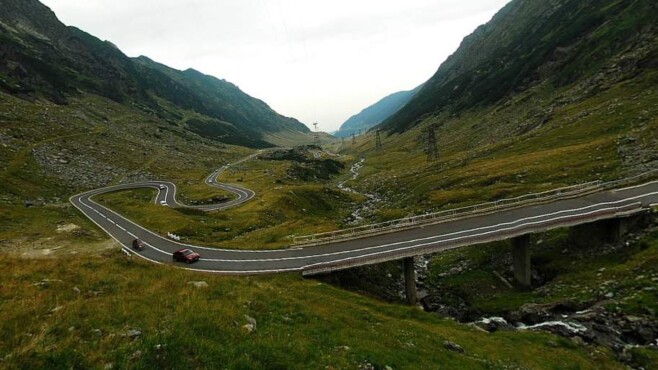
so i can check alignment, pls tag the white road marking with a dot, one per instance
(415, 246)
(596, 211)
(497, 228)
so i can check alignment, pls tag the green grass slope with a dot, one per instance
(49, 152)
(112, 309)
(524, 144)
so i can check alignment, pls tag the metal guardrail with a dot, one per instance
(631, 180)
(410, 251)
(449, 214)
(446, 215)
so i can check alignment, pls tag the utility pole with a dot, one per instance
(378, 140)
(432, 152)
(316, 135)
(353, 139)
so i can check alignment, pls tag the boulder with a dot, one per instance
(133, 334)
(452, 346)
(198, 284)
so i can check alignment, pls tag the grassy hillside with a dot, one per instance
(111, 309)
(547, 94)
(93, 142)
(489, 154)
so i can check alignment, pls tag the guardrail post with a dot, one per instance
(521, 260)
(410, 280)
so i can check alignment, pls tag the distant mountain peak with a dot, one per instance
(375, 113)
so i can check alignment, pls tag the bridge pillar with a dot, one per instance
(410, 280)
(521, 259)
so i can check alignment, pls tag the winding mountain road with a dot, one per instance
(341, 254)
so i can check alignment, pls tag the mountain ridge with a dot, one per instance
(528, 43)
(43, 58)
(375, 113)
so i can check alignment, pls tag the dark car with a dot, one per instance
(186, 255)
(138, 244)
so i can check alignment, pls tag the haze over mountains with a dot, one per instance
(376, 113)
(42, 58)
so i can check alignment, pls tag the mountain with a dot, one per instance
(375, 114)
(531, 43)
(42, 58)
(546, 94)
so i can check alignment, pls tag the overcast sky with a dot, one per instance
(313, 60)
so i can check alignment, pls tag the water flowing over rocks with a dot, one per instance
(364, 210)
(492, 324)
(596, 321)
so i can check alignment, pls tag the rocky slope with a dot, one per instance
(42, 58)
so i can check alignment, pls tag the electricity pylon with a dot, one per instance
(378, 140)
(316, 135)
(432, 151)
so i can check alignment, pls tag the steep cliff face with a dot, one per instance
(42, 58)
(559, 43)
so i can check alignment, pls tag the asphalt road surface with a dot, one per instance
(343, 254)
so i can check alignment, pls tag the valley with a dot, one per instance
(545, 96)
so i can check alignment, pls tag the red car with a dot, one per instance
(186, 255)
